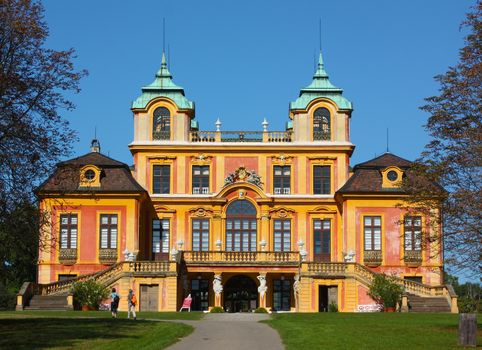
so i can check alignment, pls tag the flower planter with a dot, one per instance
(389, 309)
(87, 308)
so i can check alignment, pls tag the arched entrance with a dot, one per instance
(240, 294)
(241, 226)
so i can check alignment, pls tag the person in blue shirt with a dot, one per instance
(114, 302)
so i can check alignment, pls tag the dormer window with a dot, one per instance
(321, 124)
(161, 125)
(90, 176)
(391, 177)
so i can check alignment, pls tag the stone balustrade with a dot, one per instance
(234, 258)
(240, 136)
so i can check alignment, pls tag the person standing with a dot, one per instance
(131, 304)
(114, 304)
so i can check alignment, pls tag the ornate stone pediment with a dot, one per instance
(163, 209)
(201, 212)
(201, 158)
(243, 175)
(281, 212)
(281, 159)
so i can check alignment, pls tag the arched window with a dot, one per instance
(241, 226)
(161, 124)
(321, 124)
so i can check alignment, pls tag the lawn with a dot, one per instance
(368, 331)
(29, 332)
(105, 314)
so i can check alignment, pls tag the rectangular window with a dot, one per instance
(321, 179)
(322, 240)
(68, 231)
(160, 236)
(200, 179)
(282, 235)
(372, 226)
(108, 231)
(282, 179)
(413, 232)
(161, 179)
(200, 235)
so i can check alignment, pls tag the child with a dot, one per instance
(131, 304)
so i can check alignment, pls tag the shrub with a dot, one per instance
(217, 310)
(332, 307)
(260, 310)
(89, 293)
(384, 291)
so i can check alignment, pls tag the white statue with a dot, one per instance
(350, 256)
(296, 290)
(262, 285)
(217, 285)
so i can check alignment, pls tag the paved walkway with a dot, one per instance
(230, 331)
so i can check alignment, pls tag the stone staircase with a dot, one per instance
(418, 303)
(49, 302)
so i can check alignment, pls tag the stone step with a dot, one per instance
(428, 304)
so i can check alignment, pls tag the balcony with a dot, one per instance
(68, 256)
(224, 258)
(372, 258)
(413, 258)
(328, 269)
(108, 256)
(240, 136)
(285, 190)
(200, 190)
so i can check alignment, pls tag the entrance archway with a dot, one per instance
(240, 294)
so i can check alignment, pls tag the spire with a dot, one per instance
(321, 87)
(163, 86)
(163, 72)
(320, 70)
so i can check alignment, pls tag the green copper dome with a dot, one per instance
(163, 86)
(321, 87)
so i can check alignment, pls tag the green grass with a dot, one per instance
(24, 332)
(368, 331)
(105, 314)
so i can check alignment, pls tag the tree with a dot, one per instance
(33, 134)
(453, 157)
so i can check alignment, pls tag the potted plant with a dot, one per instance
(385, 292)
(88, 294)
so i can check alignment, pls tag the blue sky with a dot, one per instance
(242, 61)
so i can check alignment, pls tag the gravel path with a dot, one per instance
(230, 331)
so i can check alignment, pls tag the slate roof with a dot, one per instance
(367, 176)
(115, 177)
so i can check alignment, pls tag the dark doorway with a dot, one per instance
(240, 294)
(322, 299)
(199, 294)
(149, 297)
(281, 295)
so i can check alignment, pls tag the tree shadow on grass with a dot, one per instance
(41, 333)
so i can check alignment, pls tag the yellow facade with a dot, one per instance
(247, 219)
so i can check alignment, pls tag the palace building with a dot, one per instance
(237, 219)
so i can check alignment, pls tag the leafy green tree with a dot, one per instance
(33, 134)
(453, 157)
